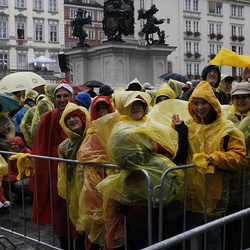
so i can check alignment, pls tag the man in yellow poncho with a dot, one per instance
(133, 145)
(220, 147)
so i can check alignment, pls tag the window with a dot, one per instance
(188, 5)
(196, 47)
(196, 69)
(100, 16)
(85, 1)
(188, 26)
(192, 5)
(237, 30)
(211, 28)
(20, 30)
(73, 13)
(90, 13)
(219, 29)
(38, 32)
(3, 60)
(101, 35)
(20, 3)
(215, 7)
(195, 5)
(237, 11)
(22, 61)
(188, 69)
(53, 33)
(3, 3)
(91, 34)
(38, 5)
(53, 5)
(215, 28)
(196, 26)
(3, 29)
(188, 46)
(192, 26)
(214, 48)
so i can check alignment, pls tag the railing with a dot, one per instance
(38, 232)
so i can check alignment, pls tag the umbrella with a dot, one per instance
(80, 88)
(20, 81)
(76, 87)
(9, 103)
(174, 76)
(93, 83)
(42, 59)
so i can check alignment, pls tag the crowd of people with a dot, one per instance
(136, 128)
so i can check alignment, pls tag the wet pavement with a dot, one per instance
(15, 221)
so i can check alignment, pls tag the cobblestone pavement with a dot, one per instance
(17, 220)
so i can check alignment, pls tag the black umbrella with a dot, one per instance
(174, 76)
(93, 84)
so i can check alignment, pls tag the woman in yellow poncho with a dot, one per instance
(216, 147)
(98, 215)
(133, 145)
(74, 122)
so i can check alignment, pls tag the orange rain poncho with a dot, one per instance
(132, 145)
(68, 150)
(98, 212)
(209, 139)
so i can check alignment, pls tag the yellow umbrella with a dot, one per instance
(230, 58)
(20, 81)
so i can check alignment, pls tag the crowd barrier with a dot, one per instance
(17, 218)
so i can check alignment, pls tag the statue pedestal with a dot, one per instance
(116, 63)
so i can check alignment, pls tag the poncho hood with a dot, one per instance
(69, 108)
(124, 100)
(204, 91)
(93, 112)
(164, 90)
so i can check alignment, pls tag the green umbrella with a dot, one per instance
(8, 103)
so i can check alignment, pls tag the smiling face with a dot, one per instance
(137, 110)
(212, 77)
(15, 147)
(242, 103)
(202, 108)
(62, 97)
(74, 123)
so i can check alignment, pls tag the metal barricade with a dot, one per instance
(23, 226)
(44, 234)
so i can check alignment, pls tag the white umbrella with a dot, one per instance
(20, 81)
(42, 59)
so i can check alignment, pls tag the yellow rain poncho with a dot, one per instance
(230, 58)
(44, 105)
(164, 90)
(133, 146)
(68, 150)
(242, 122)
(176, 86)
(98, 214)
(210, 140)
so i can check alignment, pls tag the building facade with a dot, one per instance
(28, 29)
(199, 29)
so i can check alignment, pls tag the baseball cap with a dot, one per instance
(241, 88)
(147, 85)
